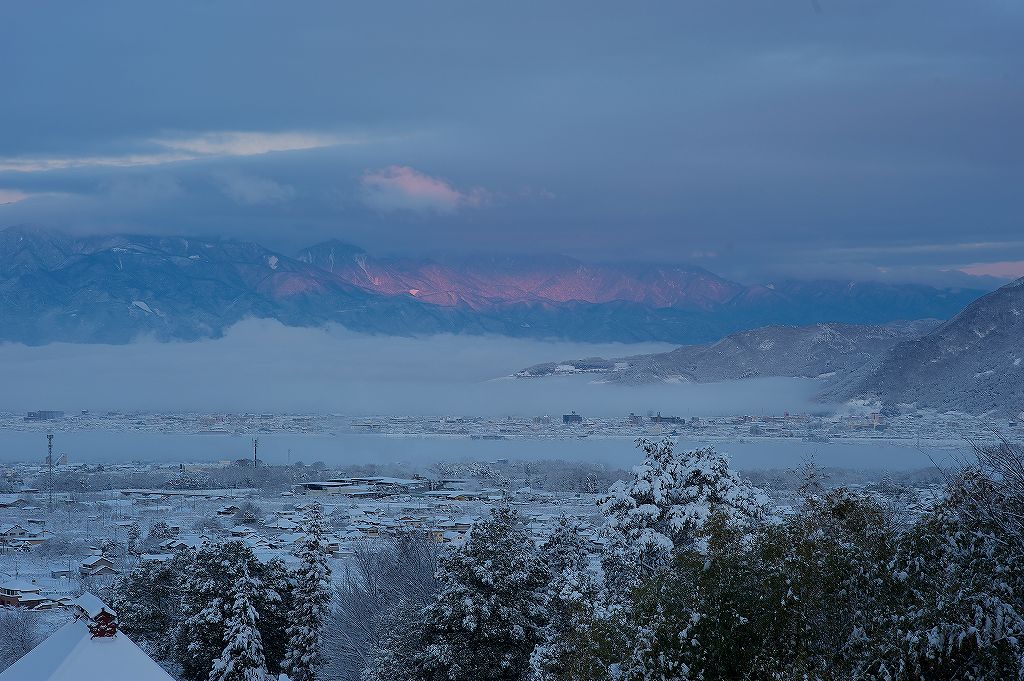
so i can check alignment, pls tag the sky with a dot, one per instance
(874, 139)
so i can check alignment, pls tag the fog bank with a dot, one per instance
(261, 365)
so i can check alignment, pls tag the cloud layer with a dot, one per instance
(876, 139)
(334, 370)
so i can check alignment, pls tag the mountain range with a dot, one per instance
(973, 362)
(113, 289)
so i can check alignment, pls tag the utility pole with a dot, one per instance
(255, 445)
(49, 465)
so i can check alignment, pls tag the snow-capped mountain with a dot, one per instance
(482, 282)
(829, 350)
(115, 288)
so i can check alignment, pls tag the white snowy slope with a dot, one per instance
(71, 654)
(799, 351)
(972, 363)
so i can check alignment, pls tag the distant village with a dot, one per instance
(854, 421)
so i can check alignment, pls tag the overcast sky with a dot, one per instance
(757, 139)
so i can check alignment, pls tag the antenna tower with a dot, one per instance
(49, 467)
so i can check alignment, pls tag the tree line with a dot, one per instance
(699, 576)
(693, 574)
(217, 613)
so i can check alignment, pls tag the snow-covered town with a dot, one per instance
(543, 341)
(101, 537)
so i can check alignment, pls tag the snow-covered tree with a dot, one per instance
(666, 504)
(158, 532)
(570, 646)
(147, 602)
(393, 654)
(489, 614)
(206, 595)
(275, 604)
(134, 540)
(242, 658)
(21, 633)
(312, 600)
(200, 632)
(955, 609)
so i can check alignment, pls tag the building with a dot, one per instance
(13, 531)
(97, 566)
(44, 415)
(89, 647)
(374, 487)
(572, 418)
(20, 593)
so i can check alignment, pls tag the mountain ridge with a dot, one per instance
(973, 362)
(809, 351)
(113, 288)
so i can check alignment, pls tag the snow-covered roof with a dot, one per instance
(91, 605)
(22, 586)
(71, 654)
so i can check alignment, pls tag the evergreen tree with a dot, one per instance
(134, 540)
(488, 616)
(199, 638)
(242, 658)
(393, 655)
(666, 505)
(312, 599)
(955, 610)
(275, 605)
(206, 592)
(689, 622)
(570, 647)
(147, 601)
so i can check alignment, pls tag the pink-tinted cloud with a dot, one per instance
(11, 195)
(1007, 269)
(405, 188)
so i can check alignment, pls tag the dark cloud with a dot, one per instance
(756, 139)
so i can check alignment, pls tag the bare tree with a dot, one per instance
(387, 575)
(1000, 500)
(20, 634)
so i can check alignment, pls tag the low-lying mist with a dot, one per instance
(261, 365)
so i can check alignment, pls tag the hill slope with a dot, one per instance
(798, 351)
(974, 362)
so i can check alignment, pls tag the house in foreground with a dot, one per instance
(89, 647)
